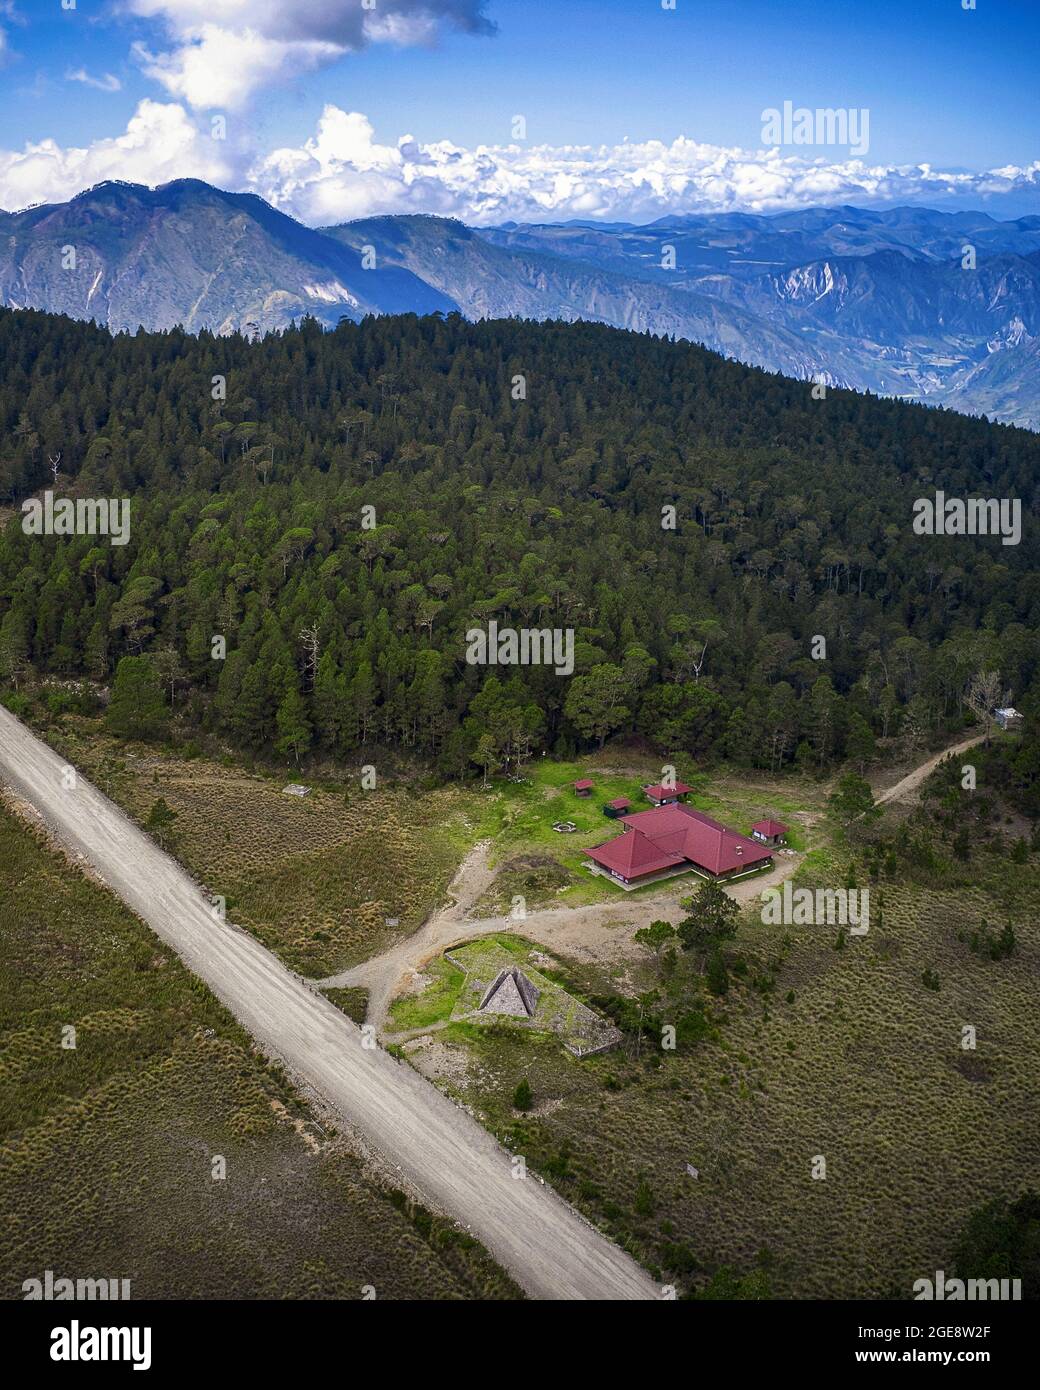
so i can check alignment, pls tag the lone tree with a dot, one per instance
(523, 1098)
(717, 974)
(712, 918)
(655, 938)
(852, 800)
(161, 820)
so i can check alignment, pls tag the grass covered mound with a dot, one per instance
(556, 1011)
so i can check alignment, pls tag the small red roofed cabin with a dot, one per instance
(662, 795)
(769, 832)
(584, 787)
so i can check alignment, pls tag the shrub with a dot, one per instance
(718, 975)
(644, 1203)
(522, 1096)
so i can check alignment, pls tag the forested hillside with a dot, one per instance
(793, 521)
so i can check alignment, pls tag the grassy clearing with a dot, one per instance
(546, 867)
(434, 1004)
(329, 880)
(106, 1148)
(557, 1012)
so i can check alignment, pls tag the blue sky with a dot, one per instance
(955, 89)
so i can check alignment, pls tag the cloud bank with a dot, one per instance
(341, 172)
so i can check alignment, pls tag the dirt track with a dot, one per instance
(913, 780)
(597, 931)
(533, 1234)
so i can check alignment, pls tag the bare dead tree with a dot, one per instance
(982, 697)
(55, 464)
(311, 653)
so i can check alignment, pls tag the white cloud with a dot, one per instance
(8, 10)
(224, 67)
(342, 172)
(106, 83)
(225, 51)
(160, 143)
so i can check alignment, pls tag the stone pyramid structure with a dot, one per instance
(511, 992)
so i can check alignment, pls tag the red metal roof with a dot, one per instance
(585, 782)
(677, 833)
(618, 802)
(632, 855)
(770, 827)
(659, 792)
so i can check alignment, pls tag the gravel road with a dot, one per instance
(547, 1247)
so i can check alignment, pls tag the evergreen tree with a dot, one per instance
(294, 730)
(595, 704)
(136, 709)
(523, 1098)
(711, 917)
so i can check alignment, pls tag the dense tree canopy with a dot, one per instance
(319, 518)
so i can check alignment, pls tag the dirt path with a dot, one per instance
(599, 932)
(913, 780)
(438, 1148)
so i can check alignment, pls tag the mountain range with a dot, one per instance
(910, 302)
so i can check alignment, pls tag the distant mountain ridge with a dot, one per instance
(191, 254)
(883, 301)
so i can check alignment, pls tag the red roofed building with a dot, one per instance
(673, 838)
(661, 795)
(633, 856)
(584, 787)
(769, 831)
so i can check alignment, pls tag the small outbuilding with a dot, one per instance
(1008, 718)
(584, 787)
(620, 806)
(769, 832)
(662, 795)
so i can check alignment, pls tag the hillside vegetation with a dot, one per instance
(107, 1147)
(364, 497)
